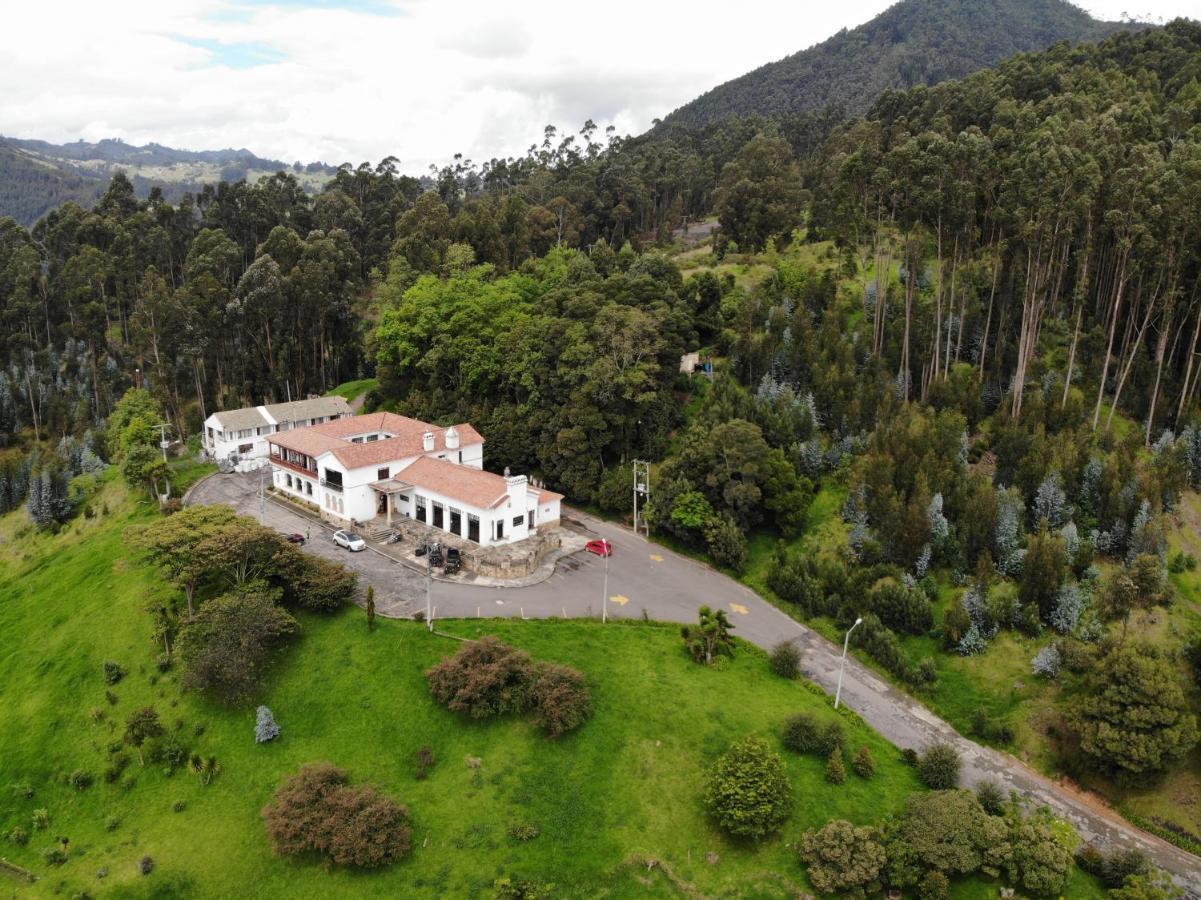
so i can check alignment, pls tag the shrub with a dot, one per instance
(485, 678)
(909, 757)
(863, 763)
(560, 699)
(1090, 859)
(786, 660)
(41, 820)
(425, 762)
(1047, 662)
(146, 865)
(1123, 864)
(265, 727)
(314, 583)
(939, 766)
(934, 886)
(18, 835)
(179, 806)
(944, 830)
(506, 888)
(112, 823)
(836, 770)
(842, 859)
(747, 791)
(804, 734)
(80, 780)
(111, 698)
(523, 831)
(991, 797)
(163, 663)
(54, 856)
(112, 672)
(316, 811)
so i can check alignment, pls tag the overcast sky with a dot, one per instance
(356, 80)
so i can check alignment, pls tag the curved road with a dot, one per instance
(646, 579)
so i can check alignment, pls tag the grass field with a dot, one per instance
(351, 390)
(624, 788)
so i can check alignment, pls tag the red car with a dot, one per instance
(599, 547)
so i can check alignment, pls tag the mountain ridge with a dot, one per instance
(913, 42)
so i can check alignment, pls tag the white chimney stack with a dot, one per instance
(427, 441)
(452, 438)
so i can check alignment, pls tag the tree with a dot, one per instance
(141, 726)
(265, 727)
(759, 194)
(178, 544)
(227, 646)
(317, 811)
(1039, 859)
(370, 607)
(710, 637)
(1045, 567)
(205, 768)
(747, 790)
(938, 767)
(863, 763)
(836, 770)
(1133, 719)
(785, 660)
(843, 859)
(947, 831)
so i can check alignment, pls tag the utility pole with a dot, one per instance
(642, 486)
(163, 443)
(429, 580)
(262, 496)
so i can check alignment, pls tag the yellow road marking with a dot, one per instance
(619, 599)
(656, 557)
(739, 608)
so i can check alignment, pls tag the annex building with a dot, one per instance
(244, 432)
(380, 466)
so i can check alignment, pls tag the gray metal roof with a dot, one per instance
(239, 419)
(308, 409)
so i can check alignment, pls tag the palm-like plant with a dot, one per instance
(205, 768)
(710, 637)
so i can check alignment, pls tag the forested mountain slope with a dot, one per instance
(37, 176)
(915, 42)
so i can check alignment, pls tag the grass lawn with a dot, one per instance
(351, 390)
(623, 788)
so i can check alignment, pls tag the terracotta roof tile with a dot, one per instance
(474, 487)
(407, 440)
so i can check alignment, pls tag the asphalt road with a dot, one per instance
(644, 578)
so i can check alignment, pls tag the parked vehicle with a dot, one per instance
(350, 541)
(292, 537)
(396, 538)
(452, 565)
(452, 554)
(599, 547)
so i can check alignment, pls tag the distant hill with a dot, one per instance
(913, 43)
(36, 176)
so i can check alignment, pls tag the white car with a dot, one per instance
(350, 541)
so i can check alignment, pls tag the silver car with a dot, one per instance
(350, 541)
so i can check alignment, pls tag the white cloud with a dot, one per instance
(434, 79)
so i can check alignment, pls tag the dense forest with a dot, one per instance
(912, 43)
(968, 351)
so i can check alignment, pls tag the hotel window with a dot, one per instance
(382, 474)
(289, 482)
(420, 508)
(518, 521)
(308, 488)
(372, 437)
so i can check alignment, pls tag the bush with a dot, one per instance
(316, 811)
(265, 727)
(863, 763)
(934, 886)
(425, 762)
(523, 831)
(909, 757)
(41, 820)
(842, 859)
(1123, 864)
(1090, 859)
(786, 660)
(146, 865)
(804, 734)
(112, 823)
(80, 780)
(485, 678)
(112, 672)
(991, 797)
(836, 770)
(54, 856)
(18, 835)
(938, 767)
(313, 583)
(560, 699)
(747, 791)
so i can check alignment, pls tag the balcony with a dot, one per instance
(331, 486)
(295, 467)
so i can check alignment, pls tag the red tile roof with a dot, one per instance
(407, 439)
(474, 487)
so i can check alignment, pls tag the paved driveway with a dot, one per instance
(646, 578)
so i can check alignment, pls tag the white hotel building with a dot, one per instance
(383, 465)
(243, 432)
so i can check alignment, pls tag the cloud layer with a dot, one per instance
(355, 80)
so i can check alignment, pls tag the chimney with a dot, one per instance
(516, 486)
(427, 441)
(452, 438)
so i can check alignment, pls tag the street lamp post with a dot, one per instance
(846, 643)
(605, 594)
